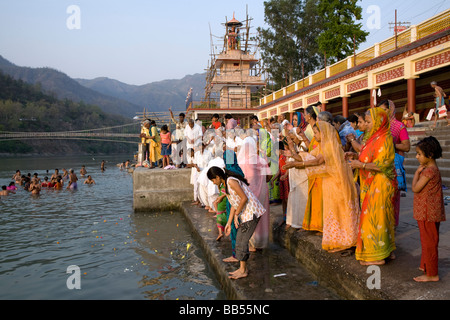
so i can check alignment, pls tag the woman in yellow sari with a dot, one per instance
(313, 220)
(340, 205)
(155, 145)
(376, 167)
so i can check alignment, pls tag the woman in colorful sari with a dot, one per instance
(299, 124)
(376, 240)
(401, 145)
(313, 220)
(311, 116)
(155, 145)
(341, 208)
(256, 170)
(267, 152)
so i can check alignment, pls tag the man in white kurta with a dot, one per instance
(193, 135)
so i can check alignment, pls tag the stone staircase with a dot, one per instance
(442, 133)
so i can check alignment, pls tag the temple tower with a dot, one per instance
(234, 73)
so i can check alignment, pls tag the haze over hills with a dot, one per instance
(156, 96)
(110, 95)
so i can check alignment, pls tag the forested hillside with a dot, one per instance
(24, 107)
(61, 86)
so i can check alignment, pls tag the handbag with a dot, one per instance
(442, 111)
(430, 114)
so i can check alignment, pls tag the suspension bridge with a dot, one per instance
(126, 133)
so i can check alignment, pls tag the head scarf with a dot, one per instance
(391, 110)
(333, 154)
(301, 122)
(316, 110)
(231, 124)
(395, 126)
(379, 146)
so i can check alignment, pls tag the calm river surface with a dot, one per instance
(120, 254)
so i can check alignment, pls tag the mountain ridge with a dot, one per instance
(156, 96)
(112, 96)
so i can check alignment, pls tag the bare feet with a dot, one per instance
(370, 263)
(425, 278)
(230, 259)
(195, 203)
(238, 274)
(219, 237)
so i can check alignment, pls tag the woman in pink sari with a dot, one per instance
(256, 170)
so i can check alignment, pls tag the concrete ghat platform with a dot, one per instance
(306, 272)
(159, 189)
(274, 273)
(295, 267)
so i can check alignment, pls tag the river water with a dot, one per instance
(119, 254)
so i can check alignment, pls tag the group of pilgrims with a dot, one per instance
(340, 178)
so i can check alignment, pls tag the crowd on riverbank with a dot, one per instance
(339, 177)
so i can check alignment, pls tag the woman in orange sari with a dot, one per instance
(313, 220)
(341, 208)
(376, 167)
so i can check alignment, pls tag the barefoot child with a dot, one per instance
(245, 213)
(166, 145)
(429, 208)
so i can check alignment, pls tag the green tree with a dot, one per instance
(341, 32)
(288, 47)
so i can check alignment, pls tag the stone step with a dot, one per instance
(445, 184)
(445, 171)
(413, 162)
(412, 154)
(443, 137)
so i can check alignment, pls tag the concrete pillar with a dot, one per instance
(413, 33)
(372, 102)
(345, 106)
(141, 154)
(376, 49)
(411, 88)
(324, 106)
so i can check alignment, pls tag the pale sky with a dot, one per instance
(142, 41)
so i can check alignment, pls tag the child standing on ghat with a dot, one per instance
(166, 145)
(429, 208)
(245, 213)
